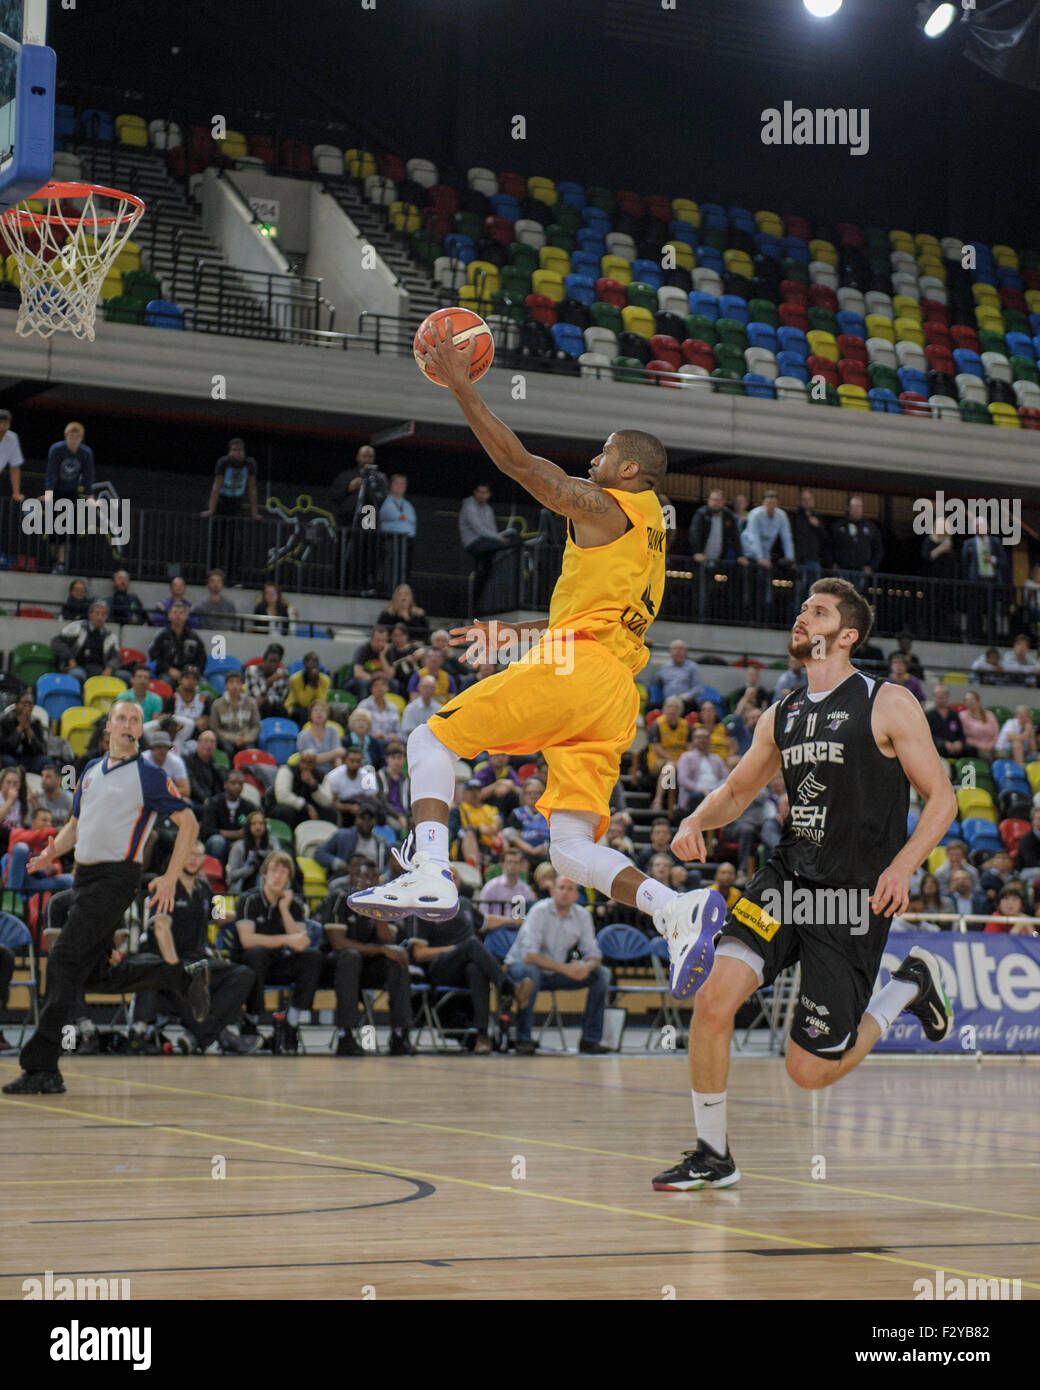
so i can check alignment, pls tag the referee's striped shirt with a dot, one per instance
(116, 805)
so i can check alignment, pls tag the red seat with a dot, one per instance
(823, 297)
(513, 184)
(823, 366)
(213, 870)
(541, 309)
(255, 661)
(528, 770)
(611, 292)
(296, 155)
(1031, 279)
(631, 203)
(793, 316)
(791, 292)
(853, 373)
(934, 312)
(177, 162)
(853, 349)
(499, 229)
(440, 223)
(131, 657)
(666, 349)
(657, 205)
(796, 226)
(745, 661)
(262, 147)
(910, 401)
(657, 369)
(698, 354)
(964, 337)
(849, 234)
(255, 783)
(940, 359)
(1014, 299)
(651, 718)
(937, 336)
(1030, 417)
(247, 757)
(31, 612)
(161, 689)
(1011, 831)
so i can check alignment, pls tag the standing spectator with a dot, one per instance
(767, 527)
(176, 646)
(320, 738)
(70, 471)
(1017, 737)
(205, 778)
(905, 649)
(945, 724)
(715, 547)
(11, 455)
(272, 613)
(899, 675)
(224, 817)
(151, 703)
(88, 647)
(811, 544)
(300, 792)
(76, 604)
(386, 721)
(856, 545)
(401, 611)
(1020, 664)
(794, 678)
(681, 676)
(357, 497)
(235, 716)
(216, 608)
(306, 685)
(422, 707)
(980, 726)
(394, 789)
(433, 666)
(939, 555)
(268, 682)
(53, 796)
(740, 510)
(234, 484)
(540, 954)
(124, 606)
(371, 657)
(481, 538)
(22, 739)
(398, 522)
(985, 565)
(178, 594)
(699, 771)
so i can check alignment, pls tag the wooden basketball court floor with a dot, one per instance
(505, 1177)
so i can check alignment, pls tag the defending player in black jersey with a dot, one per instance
(848, 748)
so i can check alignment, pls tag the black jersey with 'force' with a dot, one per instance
(848, 800)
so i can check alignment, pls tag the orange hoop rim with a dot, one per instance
(59, 190)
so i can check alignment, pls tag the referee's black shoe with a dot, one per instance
(932, 1006)
(36, 1083)
(699, 1167)
(198, 989)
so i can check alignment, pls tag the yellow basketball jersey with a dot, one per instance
(612, 592)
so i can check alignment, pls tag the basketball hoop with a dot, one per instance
(64, 251)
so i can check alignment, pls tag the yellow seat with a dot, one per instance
(549, 283)
(1006, 416)
(985, 294)
(404, 217)
(853, 397)
(682, 256)
(485, 275)
(470, 297)
(1005, 256)
(544, 190)
(909, 331)
(820, 250)
(616, 268)
(636, 320)
(988, 317)
(905, 307)
(954, 678)
(823, 344)
(12, 274)
(556, 259)
(901, 241)
(880, 327)
(937, 858)
(312, 871)
(360, 164)
(112, 285)
(974, 801)
(77, 725)
(1033, 776)
(234, 145)
(1033, 301)
(132, 130)
(738, 263)
(398, 701)
(924, 242)
(129, 258)
(686, 210)
(769, 222)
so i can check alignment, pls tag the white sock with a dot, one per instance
(889, 1003)
(652, 896)
(432, 838)
(709, 1115)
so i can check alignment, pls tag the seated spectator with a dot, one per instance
(794, 678)
(543, 876)
(246, 857)
(962, 892)
(268, 683)
(23, 737)
(394, 790)
(177, 594)
(336, 853)
(776, 815)
(898, 674)
(301, 792)
(235, 716)
(988, 668)
(501, 785)
(76, 604)
(457, 670)
(151, 703)
(88, 647)
(182, 936)
(24, 844)
(401, 611)
(1028, 856)
(480, 826)
(190, 710)
(753, 697)
(176, 646)
(273, 940)
(991, 881)
(719, 740)
(363, 954)
(1017, 737)
(359, 736)
(747, 831)
(504, 900)
(526, 828)
(660, 867)
(272, 613)
(320, 738)
(305, 686)
(370, 659)
(16, 804)
(348, 785)
(699, 771)
(420, 709)
(945, 724)
(386, 721)
(905, 650)
(1020, 664)
(160, 751)
(53, 796)
(669, 739)
(980, 726)
(661, 834)
(742, 728)
(205, 778)
(216, 609)
(552, 929)
(932, 899)
(1010, 904)
(956, 860)
(617, 836)
(726, 883)
(433, 665)
(124, 606)
(223, 818)
(405, 658)
(679, 677)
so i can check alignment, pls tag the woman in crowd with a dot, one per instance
(402, 609)
(527, 829)
(248, 854)
(980, 726)
(16, 805)
(323, 738)
(76, 604)
(359, 735)
(272, 611)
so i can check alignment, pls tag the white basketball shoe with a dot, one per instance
(426, 889)
(689, 924)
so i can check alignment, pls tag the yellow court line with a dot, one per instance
(813, 1184)
(520, 1191)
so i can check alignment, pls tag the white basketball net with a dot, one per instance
(64, 255)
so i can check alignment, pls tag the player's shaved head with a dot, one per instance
(647, 451)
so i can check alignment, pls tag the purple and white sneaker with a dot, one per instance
(689, 924)
(426, 889)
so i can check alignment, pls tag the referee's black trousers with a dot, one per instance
(469, 965)
(79, 960)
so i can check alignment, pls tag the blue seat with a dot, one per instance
(881, 398)
(732, 306)
(912, 818)
(648, 273)
(1007, 773)
(95, 124)
(385, 833)
(686, 232)
(795, 249)
(740, 215)
(981, 834)
(1021, 345)
(216, 665)
(163, 313)
(505, 205)
(596, 217)
(762, 335)
(588, 239)
(704, 304)
(910, 379)
(954, 833)
(1034, 327)
(278, 737)
(711, 259)
(581, 288)
(64, 122)
(587, 263)
(714, 215)
(755, 384)
(986, 275)
(568, 338)
(499, 940)
(571, 193)
(1008, 278)
(791, 364)
(460, 247)
(793, 340)
(708, 692)
(57, 693)
(766, 244)
(968, 361)
(854, 325)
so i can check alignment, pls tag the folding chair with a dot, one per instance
(668, 1015)
(621, 943)
(17, 937)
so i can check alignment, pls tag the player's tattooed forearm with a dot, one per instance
(556, 489)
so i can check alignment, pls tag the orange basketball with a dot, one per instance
(465, 325)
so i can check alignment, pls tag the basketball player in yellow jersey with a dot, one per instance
(581, 712)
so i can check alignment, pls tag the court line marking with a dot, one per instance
(523, 1192)
(814, 1185)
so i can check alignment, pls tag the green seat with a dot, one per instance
(830, 396)
(731, 333)
(515, 281)
(730, 358)
(823, 321)
(992, 342)
(509, 307)
(141, 285)
(797, 271)
(630, 369)
(642, 296)
(341, 697)
(701, 328)
(780, 665)
(980, 770)
(1028, 260)
(884, 378)
(764, 311)
(601, 198)
(122, 309)
(974, 413)
(567, 216)
(876, 239)
(523, 257)
(345, 673)
(1016, 322)
(1001, 712)
(31, 660)
(426, 246)
(880, 263)
(727, 382)
(714, 236)
(221, 759)
(606, 316)
(561, 237)
(1022, 369)
(469, 224)
(278, 830)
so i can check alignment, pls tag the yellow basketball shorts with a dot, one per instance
(581, 721)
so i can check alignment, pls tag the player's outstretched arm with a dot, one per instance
(756, 768)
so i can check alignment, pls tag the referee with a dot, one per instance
(115, 806)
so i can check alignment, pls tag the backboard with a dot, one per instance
(27, 86)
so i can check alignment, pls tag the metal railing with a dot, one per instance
(959, 920)
(254, 303)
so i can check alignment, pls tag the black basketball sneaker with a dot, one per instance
(932, 1005)
(699, 1167)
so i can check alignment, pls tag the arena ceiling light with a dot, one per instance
(822, 9)
(939, 20)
